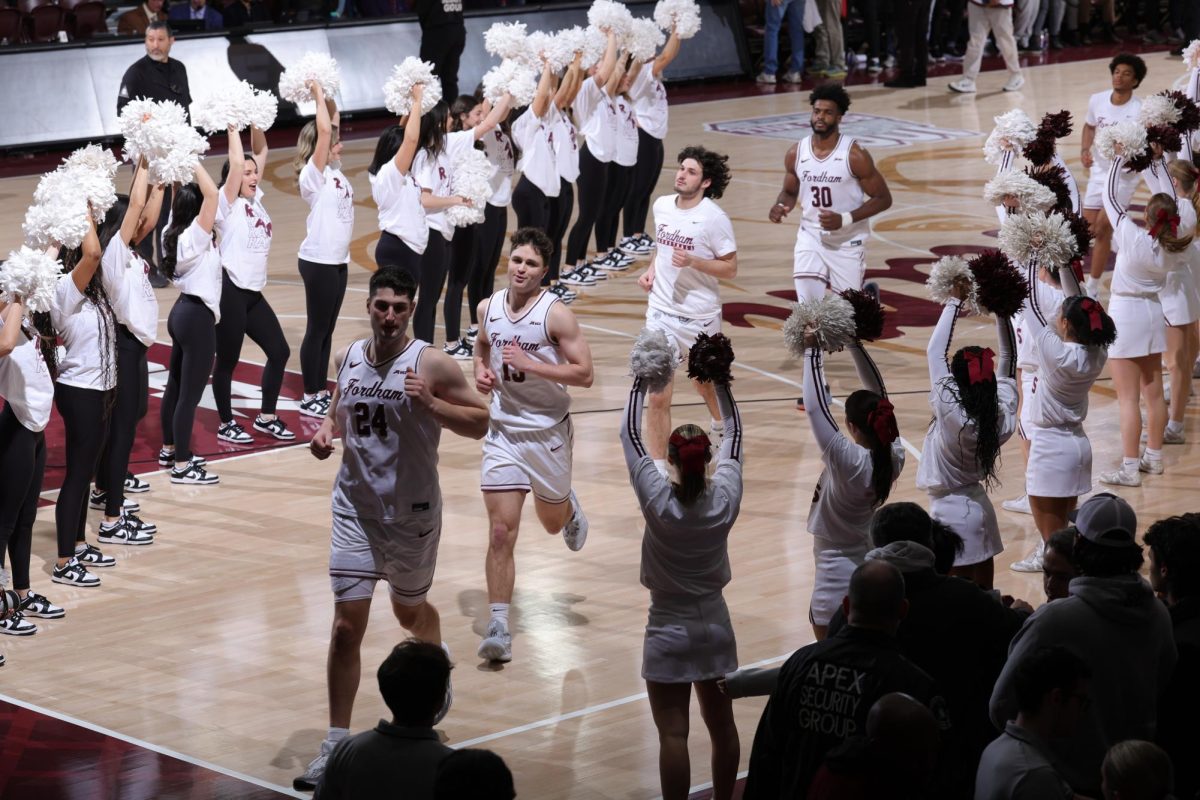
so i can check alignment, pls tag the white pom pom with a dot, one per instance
(1130, 134)
(62, 218)
(397, 91)
(505, 39)
(93, 157)
(830, 318)
(1158, 110)
(682, 15)
(264, 106)
(1029, 193)
(645, 37)
(1191, 54)
(594, 45)
(653, 360)
(30, 275)
(91, 170)
(538, 45)
(470, 177)
(1014, 129)
(611, 16)
(145, 124)
(944, 273)
(564, 45)
(312, 66)
(512, 77)
(1048, 237)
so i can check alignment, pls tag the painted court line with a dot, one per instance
(196, 762)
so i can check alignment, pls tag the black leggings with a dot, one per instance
(193, 345)
(532, 205)
(129, 406)
(324, 288)
(560, 217)
(246, 313)
(593, 180)
(645, 177)
(462, 261)
(391, 251)
(616, 190)
(22, 463)
(429, 285)
(489, 243)
(85, 418)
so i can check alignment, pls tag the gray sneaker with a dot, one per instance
(1119, 477)
(765, 77)
(1031, 562)
(497, 645)
(574, 533)
(315, 769)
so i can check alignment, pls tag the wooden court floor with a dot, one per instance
(212, 642)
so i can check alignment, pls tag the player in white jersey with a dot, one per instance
(696, 250)
(529, 350)
(1104, 109)
(394, 394)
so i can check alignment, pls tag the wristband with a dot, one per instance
(847, 219)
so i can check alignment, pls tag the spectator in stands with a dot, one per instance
(1175, 575)
(895, 760)
(443, 37)
(1114, 623)
(197, 10)
(1058, 564)
(1051, 688)
(828, 41)
(244, 12)
(477, 774)
(996, 17)
(826, 689)
(405, 752)
(912, 44)
(135, 22)
(1136, 770)
(156, 76)
(774, 14)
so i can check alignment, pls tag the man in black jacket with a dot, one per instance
(156, 76)
(443, 37)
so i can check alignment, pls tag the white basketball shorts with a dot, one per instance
(840, 268)
(403, 552)
(681, 332)
(537, 461)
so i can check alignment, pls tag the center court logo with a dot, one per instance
(870, 130)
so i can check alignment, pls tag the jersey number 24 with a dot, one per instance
(366, 420)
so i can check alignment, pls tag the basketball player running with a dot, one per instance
(394, 395)
(529, 350)
(696, 250)
(839, 189)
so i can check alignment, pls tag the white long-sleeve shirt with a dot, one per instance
(1142, 263)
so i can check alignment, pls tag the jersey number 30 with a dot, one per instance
(366, 420)
(822, 197)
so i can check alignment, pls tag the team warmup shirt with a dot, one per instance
(244, 233)
(1101, 114)
(597, 115)
(330, 223)
(433, 174)
(523, 402)
(25, 382)
(535, 137)
(127, 283)
(566, 146)
(627, 132)
(198, 268)
(399, 200)
(650, 102)
(389, 444)
(88, 336)
(499, 151)
(828, 184)
(704, 231)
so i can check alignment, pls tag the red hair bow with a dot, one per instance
(979, 365)
(883, 421)
(693, 452)
(1161, 219)
(1093, 309)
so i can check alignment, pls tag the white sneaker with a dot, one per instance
(1174, 437)
(1015, 83)
(234, 433)
(1119, 477)
(193, 474)
(963, 86)
(793, 77)
(317, 407)
(1018, 505)
(1031, 562)
(314, 771)
(1149, 467)
(574, 533)
(497, 645)
(765, 77)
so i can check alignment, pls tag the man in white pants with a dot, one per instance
(995, 16)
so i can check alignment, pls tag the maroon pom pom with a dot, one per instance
(1056, 125)
(1080, 230)
(1166, 136)
(1000, 286)
(1141, 161)
(1189, 113)
(868, 314)
(1040, 151)
(1054, 179)
(710, 358)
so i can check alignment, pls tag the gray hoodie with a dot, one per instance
(1123, 633)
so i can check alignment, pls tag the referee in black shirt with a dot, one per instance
(156, 76)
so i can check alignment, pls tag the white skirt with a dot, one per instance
(969, 513)
(688, 639)
(1180, 296)
(1141, 328)
(1060, 463)
(833, 567)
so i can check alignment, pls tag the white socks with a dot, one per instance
(500, 614)
(332, 738)
(1129, 465)
(1153, 455)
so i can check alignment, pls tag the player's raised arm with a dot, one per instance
(790, 193)
(440, 387)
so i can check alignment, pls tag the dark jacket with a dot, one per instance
(155, 80)
(237, 14)
(1179, 710)
(389, 761)
(436, 13)
(213, 20)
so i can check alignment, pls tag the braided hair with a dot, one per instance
(978, 399)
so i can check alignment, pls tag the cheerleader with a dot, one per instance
(860, 469)
(1071, 351)
(620, 170)
(437, 152)
(28, 389)
(193, 262)
(125, 277)
(404, 234)
(974, 413)
(650, 109)
(325, 252)
(1144, 258)
(685, 564)
(1181, 304)
(244, 231)
(566, 163)
(533, 133)
(87, 372)
(597, 118)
